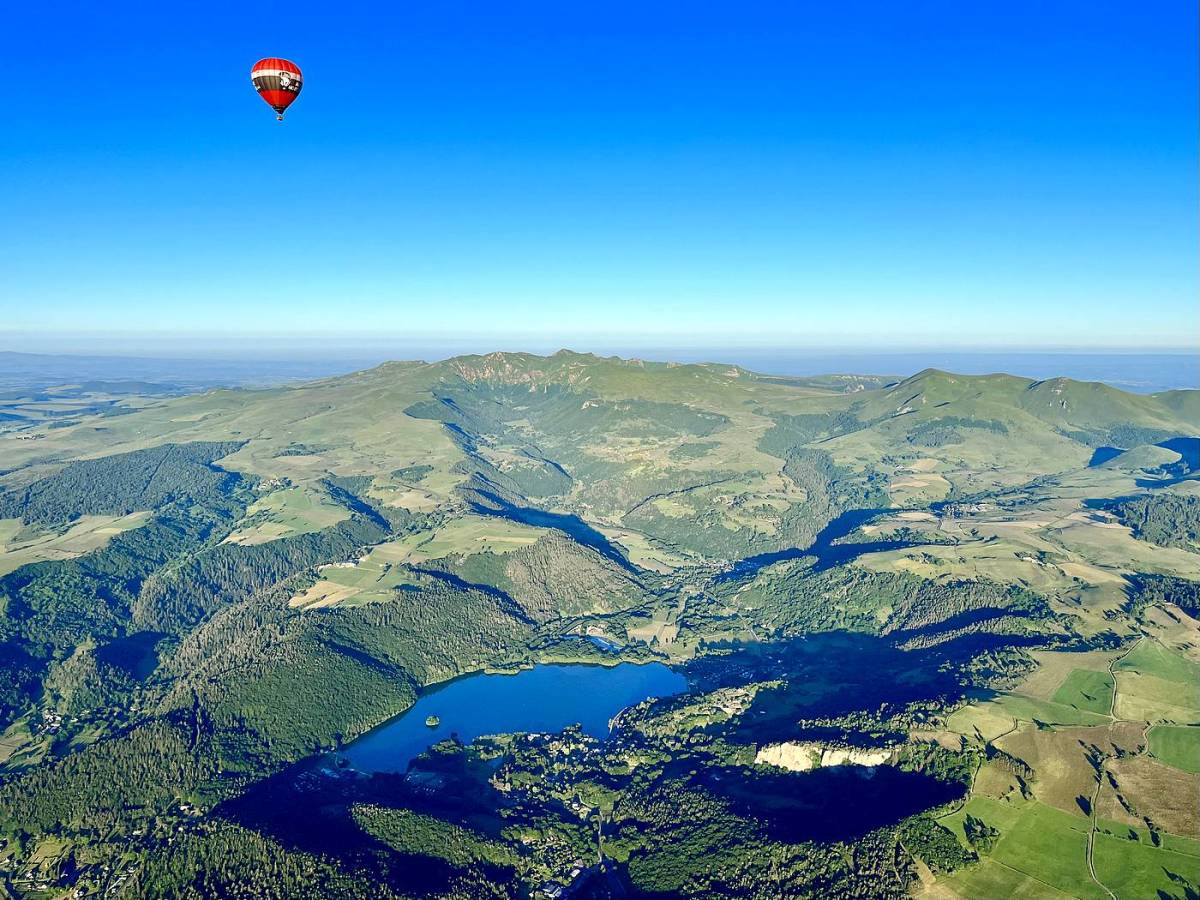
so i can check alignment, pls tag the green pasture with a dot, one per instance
(1133, 868)
(1176, 745)
(1086, 690)
(1157, 685)
(1042, 849)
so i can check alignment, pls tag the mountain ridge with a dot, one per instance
(203, 598)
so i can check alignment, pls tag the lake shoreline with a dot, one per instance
(562, 694)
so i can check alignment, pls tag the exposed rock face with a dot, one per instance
(800, 756)
(524, 368)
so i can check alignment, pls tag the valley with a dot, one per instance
(935, 635)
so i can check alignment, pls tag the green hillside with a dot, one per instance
(202, 592)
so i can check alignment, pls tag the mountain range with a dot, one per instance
(983, 586)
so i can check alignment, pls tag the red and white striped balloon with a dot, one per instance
(278, 81)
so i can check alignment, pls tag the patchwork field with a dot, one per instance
(287, 512)
(1065, 759)
(1133, 867)
(1143, 789)
(20, 545)
(1157, 685)
(1055, 668)
(375, 576)
(1136, 783)
(704, 520)
(1036, 546)
(1041, 852)
(1002, 713)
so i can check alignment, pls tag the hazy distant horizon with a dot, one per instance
(440, 344)
(1132, 369)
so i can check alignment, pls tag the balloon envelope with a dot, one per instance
(278, 81)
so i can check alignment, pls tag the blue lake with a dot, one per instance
(545, 698)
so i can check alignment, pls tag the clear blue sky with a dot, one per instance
(866, 174)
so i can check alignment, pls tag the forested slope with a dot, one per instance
(881, 568)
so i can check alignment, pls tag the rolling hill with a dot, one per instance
(203, 592)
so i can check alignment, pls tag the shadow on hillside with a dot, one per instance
(838, 803)
(820, 676)
(580, 531)
(836, 674)
(309, 808)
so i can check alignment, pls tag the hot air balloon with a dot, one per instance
(278, 81)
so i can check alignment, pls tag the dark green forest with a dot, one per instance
(175, 718)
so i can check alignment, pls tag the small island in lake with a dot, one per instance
(433, 721)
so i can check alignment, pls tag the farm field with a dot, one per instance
(375, 576)
(1132, 867)
(643, 551)
(19, 546)
(1041, 852)
(1055, 667)
(1063, 759)
(1087, 690)
(1142, 787)
(1115, 777)
(1177, 746)
(932, 565)
(287, 512)
(1001, 713)
(1158, 685)
(1175, 629)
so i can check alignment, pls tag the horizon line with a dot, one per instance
(309, 345)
